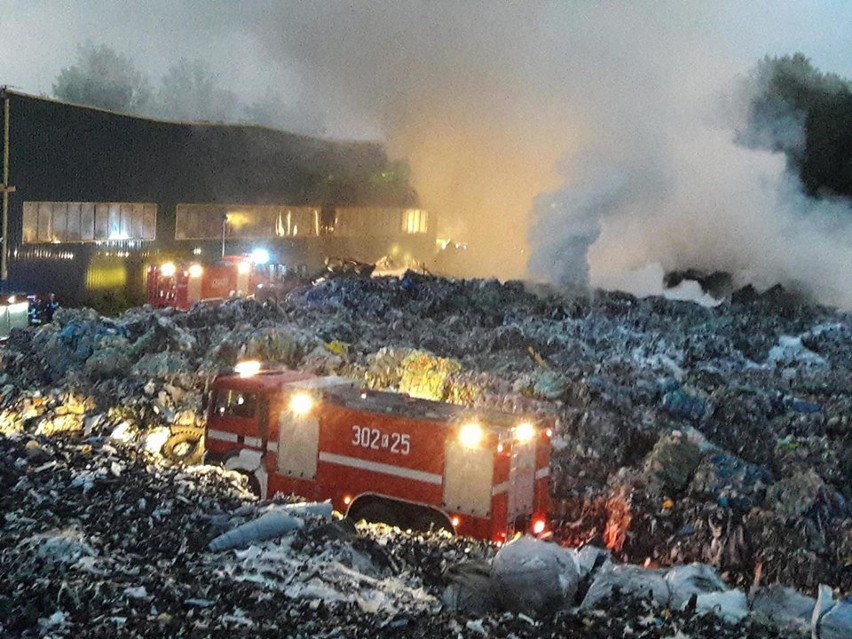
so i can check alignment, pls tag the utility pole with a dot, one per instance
(6, 188)
(224, 231)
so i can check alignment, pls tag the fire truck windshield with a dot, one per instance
(232, 403)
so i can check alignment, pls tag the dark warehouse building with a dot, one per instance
(94, 197)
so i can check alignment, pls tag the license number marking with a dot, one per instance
(374, 439)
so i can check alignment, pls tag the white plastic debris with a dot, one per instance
(784, 606)
(587, 557)
(61, 546)
(475, 625)
(136, 592)
(530, 574)
(124, 432)
(837, 622)
(831, 620)
(791, 350)
(730, 605)
(630, 579)
(56, 621)
(155, 438)
(692, 579)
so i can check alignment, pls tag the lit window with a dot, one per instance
(56, 222)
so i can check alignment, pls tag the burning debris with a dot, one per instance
(684, 434)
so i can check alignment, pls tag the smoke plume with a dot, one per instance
(636, 113)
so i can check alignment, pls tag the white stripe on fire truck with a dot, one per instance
(387, 469)
(221, 435)
(272, 447)
(542, 472)
(254, 442)
(500, 488)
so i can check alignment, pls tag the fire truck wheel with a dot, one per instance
(376, 512)
(185, 448)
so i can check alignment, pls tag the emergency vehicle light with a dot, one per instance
(470, 435)
(260, 256)
(301, 404)
(247, 368)
(455, 521)
(538, 525)
(524, 432)
(168, 269)
(195, 270)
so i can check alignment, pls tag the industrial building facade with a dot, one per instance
(93, 197)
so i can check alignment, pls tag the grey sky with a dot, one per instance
(247, 42)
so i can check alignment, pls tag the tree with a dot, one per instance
(103, 78)
(806, 114)
(190, 91)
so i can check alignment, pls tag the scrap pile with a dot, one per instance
(684, 434)
(101, 541)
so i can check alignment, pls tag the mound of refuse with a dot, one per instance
(684, 433)
(101, 540)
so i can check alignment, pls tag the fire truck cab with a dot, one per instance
(182, 285)
(382, 456)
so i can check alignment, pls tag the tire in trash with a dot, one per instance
(183, 447)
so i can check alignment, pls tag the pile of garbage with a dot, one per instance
(102, 540)
(684, 433)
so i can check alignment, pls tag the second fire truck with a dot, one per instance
(182, 285)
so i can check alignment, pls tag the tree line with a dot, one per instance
(188, 90)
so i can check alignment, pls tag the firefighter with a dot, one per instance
(48, 308)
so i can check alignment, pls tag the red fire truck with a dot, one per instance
(382, 456)
(182, 285)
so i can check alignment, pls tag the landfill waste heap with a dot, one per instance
(684, 434)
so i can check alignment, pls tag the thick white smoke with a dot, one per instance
(716, 206)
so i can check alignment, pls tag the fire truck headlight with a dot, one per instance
(301, 404)
(538, 525)
(247, 368)
(524, 432)
(195, 270)
(243, 268)
(470, 435)
(168, 269)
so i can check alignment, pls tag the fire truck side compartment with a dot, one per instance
(298, 445)
(468, 476)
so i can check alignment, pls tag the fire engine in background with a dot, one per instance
(381, 456)
(182, 285)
